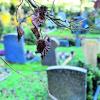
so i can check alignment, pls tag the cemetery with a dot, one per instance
(49, 50)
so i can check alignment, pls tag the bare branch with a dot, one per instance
(32, 3)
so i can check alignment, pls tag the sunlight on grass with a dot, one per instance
(65, 33)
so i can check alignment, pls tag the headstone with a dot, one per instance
(50, 58)
(64, 42)
(67, 83)
(77, 41)
(90, 49)
(79, 25)
(49, 23)
(62, 16)
(97, 22)
(14, 50)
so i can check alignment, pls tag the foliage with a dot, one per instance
(28, 87)
(98, 55)
(98, 97)
(93, 78)
(29, 37)
(36, 87)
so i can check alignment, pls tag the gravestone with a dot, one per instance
(77, 41)
(90, 49)
(14, 50)
(64, 42)
(67, 83)
(49, 23)
(62, 16)
(97, 22)
(50, 58)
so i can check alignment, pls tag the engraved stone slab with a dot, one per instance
(91, 49)
(67, 82)
(14, 50)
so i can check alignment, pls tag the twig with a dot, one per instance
(17, 10)
(34, 6)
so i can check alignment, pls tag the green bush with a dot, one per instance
(29, 36)
(93, 79)
(98, 97)
(98, 55)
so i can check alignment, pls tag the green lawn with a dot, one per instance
(33, 86)
(67, 33)
(31, 81)
(28, 84)
(36, 66)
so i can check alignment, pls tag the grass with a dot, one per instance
(65, 33)
(78, 51)
(31, 84)
(28, 87)
(61, 33)
(28, 84)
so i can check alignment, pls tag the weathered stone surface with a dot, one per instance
(91, 49)
(50, 58)
(67, 82)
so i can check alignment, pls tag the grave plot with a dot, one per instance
(91, 49)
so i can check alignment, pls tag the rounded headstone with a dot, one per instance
(67, 82)
(14, 49)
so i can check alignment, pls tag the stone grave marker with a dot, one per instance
(14, 50)
(64, 42)
(97, 22)
(49, 23)
(90, 49)
(67, 83)
(62, 15)
(50, 58)
(77, 41)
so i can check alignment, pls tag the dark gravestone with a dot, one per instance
(64, 42)
(67, 83)
(50, 58)
(14, 50)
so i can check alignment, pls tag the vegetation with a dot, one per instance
(33, 85)
(65, 33)
(29, 81)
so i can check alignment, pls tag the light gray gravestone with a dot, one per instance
(91, 49)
